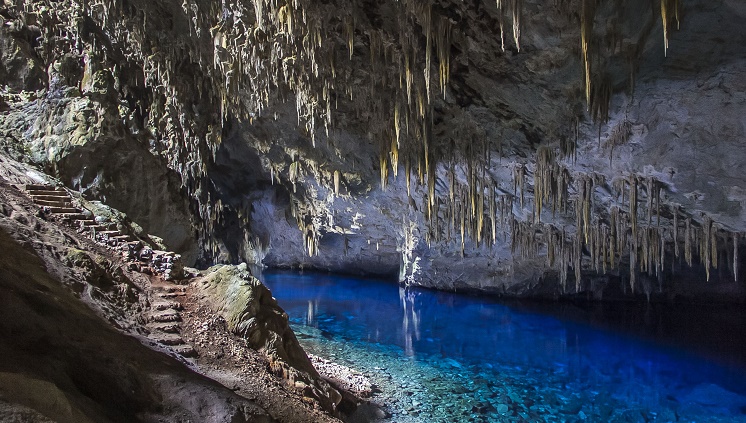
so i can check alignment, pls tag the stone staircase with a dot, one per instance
(57, 202)
(164, 319)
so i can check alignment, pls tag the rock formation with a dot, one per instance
(85, 337)
(516, 147)
(251, 312)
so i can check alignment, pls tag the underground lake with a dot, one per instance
(447, 357)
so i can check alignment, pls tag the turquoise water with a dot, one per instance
(444, 357)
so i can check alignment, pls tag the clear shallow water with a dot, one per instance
(443, 357)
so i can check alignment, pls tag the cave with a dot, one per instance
(359, 211)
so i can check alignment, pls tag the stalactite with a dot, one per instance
(493, 216)
(350, 33)
(705, 244)
(613, 231)
(501, 20)
(427, 28)
(336, 182)
(688, 242)
(394, 154)
(664, 16)
(735, 256)
(600, 98)
(443, 46)
(651, 198)
(633, 267)
(518, 175)
(676, 230)
(714, 247)
(384, 171)
(588, 190)
(463, 229)
(397, 124)
(480, 218)
(633, 204)
(587, 16)
(517, 12)
(662, 252)
(577, 263)
(657, 192)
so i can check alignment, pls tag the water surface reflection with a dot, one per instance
(549, 359)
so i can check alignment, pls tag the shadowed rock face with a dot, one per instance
(62, 362)
(303, 135)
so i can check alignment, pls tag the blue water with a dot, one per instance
(448, 357)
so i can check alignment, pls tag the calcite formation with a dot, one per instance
(597, 146)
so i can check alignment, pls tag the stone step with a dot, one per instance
(73, 216)
(38, 187)
(50, 197)
(170, 294)
(165, 305)
(163, 316)
(61, 210)
(90, 230)
(100, 228)
(54, 203)
(167, 327)
(167, 338)
(184, 350)
(121, 238)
